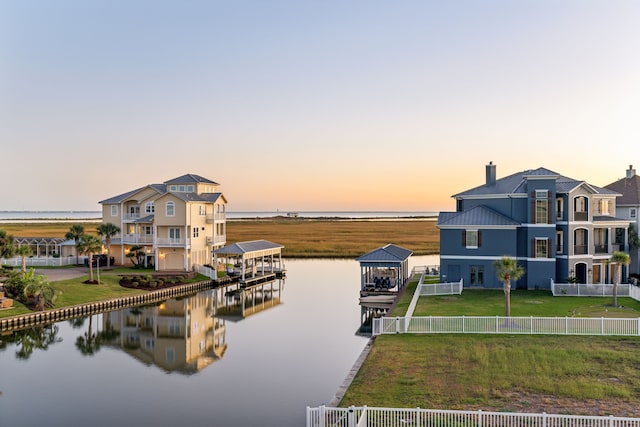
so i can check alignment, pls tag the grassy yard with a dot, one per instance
(74, 291)
(556, 374)
(523, 373)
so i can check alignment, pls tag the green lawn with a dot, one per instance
(491, 302)
(74, 291)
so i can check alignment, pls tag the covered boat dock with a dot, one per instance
(251, 262)
(385, 269)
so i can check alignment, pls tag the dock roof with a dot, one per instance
(388, 253)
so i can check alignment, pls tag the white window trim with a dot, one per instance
(173, 209)
(114, 210)
(468, 246)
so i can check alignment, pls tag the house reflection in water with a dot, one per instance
(188, 334)
(178, 335)
(236, 301)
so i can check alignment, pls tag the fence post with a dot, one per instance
(544, 419)
(323, 416)
(351, 421)
(602, 326)
(479, 417)
(397, 325)
(463, 324)
(497, 321)
(566, 325)
(418, 416)
(531, 325)
(611, 423)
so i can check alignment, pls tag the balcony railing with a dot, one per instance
(580, 249)
(171, 242)
(601, 249)
(130, 216)
(137, 238)
(218, 216)
(581, 216)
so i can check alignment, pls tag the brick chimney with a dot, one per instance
(491, 174)
(631, 172)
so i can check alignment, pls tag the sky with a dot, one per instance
(312, 105)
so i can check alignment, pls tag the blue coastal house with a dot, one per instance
(557, 228)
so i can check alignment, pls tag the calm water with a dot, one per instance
(277, 362)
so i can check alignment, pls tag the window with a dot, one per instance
(195, 232)
(471, 239)
(541, 214)
(477, 275)
(174, 328)
(171, 209)
(114, 210)
(149, 343)
(559, 242)
(149, 208)
(632, 213)
(559, 208)
(181, 188)
(148, 230)
(190, 188)
(174, 234)
(173, 188)
(541, 247)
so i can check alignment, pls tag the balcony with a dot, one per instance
(216, 240)
(131, 217)
(580, 249)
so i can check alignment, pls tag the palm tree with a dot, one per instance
(38, 291)
(6, 245)
(108, 230)
(617, 259)
(89, 245)
(507, 269)
(75, 232)
(24, 251)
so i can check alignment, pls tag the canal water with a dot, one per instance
(291, 348)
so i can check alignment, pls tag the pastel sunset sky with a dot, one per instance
(312, 105)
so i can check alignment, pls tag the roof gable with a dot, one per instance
(629, 188)
(385, 254)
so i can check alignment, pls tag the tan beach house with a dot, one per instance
(170, 226)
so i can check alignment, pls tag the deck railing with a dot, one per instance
(507, 325)
(363, 416)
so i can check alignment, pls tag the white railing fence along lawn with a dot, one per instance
(44, 261)
(588, 290)
(507, 325)
(363, 416)
(205, 271)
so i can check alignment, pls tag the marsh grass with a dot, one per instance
(302, 238)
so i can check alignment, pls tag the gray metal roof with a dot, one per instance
(190, 179)
(162, 189)
(386, 253)
(478, 215)
(516, 184)
(241, 248)
(629, 188)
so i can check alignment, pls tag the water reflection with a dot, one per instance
(27, 341)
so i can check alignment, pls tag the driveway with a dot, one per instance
(55, 274)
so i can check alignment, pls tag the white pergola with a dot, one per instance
(252, 258)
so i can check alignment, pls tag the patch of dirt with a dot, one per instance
(523, 402)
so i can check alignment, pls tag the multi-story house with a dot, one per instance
(628, 206)
(172, 226)
(557, 228)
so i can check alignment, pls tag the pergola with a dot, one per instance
(384, 268)
(251, 258)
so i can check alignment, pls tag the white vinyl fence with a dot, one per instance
(588, 290)
(506, 325)
(205, 271)
(363, 416)
(44, 261)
